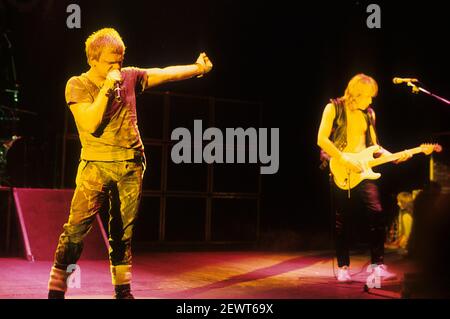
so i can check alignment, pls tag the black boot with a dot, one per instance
(123, 292)
(56, 294)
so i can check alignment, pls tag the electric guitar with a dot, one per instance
(347, 179)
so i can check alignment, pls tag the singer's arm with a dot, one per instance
(156, 76)
(89, 115)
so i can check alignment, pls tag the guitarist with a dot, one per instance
(348, 125)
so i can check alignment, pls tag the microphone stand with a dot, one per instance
(416, 89)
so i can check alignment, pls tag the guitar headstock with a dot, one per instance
(427, 149)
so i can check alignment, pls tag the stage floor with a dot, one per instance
(211, 275)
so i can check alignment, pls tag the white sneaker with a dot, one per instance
(383, 273)
(344, 274)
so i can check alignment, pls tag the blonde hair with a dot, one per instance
(358, 81)
(101, 39)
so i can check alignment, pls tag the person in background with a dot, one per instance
(402, 225)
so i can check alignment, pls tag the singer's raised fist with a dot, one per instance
(204, 62)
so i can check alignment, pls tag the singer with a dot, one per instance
(112, 162)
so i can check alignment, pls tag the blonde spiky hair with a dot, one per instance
(101, 39)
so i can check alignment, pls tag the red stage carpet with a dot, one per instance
(212, 275)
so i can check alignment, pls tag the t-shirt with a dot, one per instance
(117, 137)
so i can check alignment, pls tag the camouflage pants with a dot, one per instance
(102, 185)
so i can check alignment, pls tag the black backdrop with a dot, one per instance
(291, 57)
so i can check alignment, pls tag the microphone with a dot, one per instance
(117, 96)
(403, 80)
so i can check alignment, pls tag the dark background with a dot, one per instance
(291, 57)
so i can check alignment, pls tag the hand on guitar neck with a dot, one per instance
(405, 155)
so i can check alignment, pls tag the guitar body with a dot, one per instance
(346, 179)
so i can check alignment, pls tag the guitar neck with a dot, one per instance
(393, 157)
